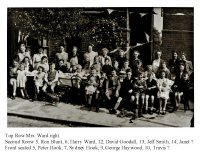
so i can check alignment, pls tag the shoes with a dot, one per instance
(112, 111)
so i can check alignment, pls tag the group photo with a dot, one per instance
(100, 67)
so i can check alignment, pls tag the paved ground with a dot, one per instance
(67, 114)
(15, 121)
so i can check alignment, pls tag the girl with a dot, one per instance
(13, 78)
(21, 81)
(39, 80)
(164, 87)
(44, 64)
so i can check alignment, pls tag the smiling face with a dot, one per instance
(15, 63)
(22, 48)
(62, 49)
(74, 50)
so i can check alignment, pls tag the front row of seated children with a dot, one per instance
(134, 94)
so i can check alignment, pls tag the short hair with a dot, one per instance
(41, 68)
(61, 60)
(105, 49)
(128, 70)
(136, 51)
(44, 57)
(78, 66)
(20, 43)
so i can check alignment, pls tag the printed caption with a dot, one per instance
(54, 142)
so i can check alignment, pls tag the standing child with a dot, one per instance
(13, 78)
(51, 78)
(140, 88)
(21, 81)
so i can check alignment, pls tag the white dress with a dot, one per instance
(21, 78)
(164, 86)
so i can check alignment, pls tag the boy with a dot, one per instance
(107, 67)
(51, 79)
(139, 88)
(112, 88)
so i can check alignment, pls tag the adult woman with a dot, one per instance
(37, 57)
(187, 64)
(74, 57)
(91, 54)
(157, 62)
(174, 64)
(23, 53)
(62, 54)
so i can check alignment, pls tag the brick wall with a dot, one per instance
(177, 32)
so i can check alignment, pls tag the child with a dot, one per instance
(163, 67)
(136, 64)
(151, 92)
(44, 64)
(149, 70)
(125, 66)
(90, 89)
(182, 90)
(112, 88)
(37, 57)
(27, 64)
(86, 64)
(13, 77)
(126, 92)
(107, 67)
(39, 80)
(62, 67)
(97, 65)
(104, 55)
(164, 87)
(139, 89)
(21, 81)
(51, 79)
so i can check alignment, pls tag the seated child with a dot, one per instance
(62, 67)
(139, 89)
(183, 88)
(39, 80)
(164, 87)
(13, 78)
(151, 92)
(91, 87)
(51, 79)
(112, 89)
(44, 64)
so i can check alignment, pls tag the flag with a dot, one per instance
(147, 37)
(143, 14)
(110, 11)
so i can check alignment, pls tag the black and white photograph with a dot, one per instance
(100, 67)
